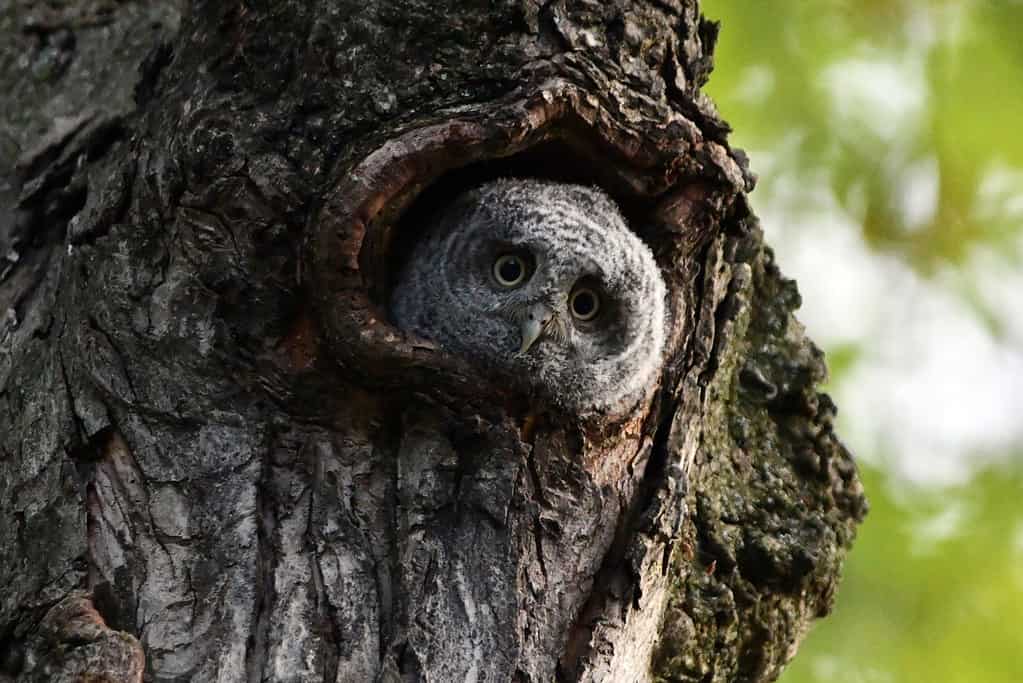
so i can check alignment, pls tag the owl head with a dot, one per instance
(544, 281)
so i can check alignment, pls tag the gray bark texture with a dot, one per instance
(220, 462)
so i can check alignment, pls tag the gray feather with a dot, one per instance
(446, 291)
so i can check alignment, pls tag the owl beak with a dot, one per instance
(538, 317)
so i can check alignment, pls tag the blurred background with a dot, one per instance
(888, 137)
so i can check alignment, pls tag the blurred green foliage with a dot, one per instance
(932, 591)
(949, 94)
(881, 98)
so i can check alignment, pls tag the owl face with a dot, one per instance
(544, 280)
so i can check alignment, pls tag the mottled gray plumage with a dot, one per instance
(575, 249)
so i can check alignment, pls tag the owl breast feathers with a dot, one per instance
(544, 282)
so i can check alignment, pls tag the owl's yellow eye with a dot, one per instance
(510, 270)
(584, 304)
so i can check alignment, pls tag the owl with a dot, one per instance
(544, 282)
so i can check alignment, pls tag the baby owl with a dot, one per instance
(544, 280)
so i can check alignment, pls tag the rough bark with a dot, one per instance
(218, 456)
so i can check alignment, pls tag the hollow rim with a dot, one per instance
(354, 227)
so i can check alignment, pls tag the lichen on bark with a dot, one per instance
(775, 498)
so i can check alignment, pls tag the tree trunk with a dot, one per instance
(220, 462)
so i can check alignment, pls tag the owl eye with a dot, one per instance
(584, 304)
(510, 270)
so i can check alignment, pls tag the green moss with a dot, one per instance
(774, 499)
